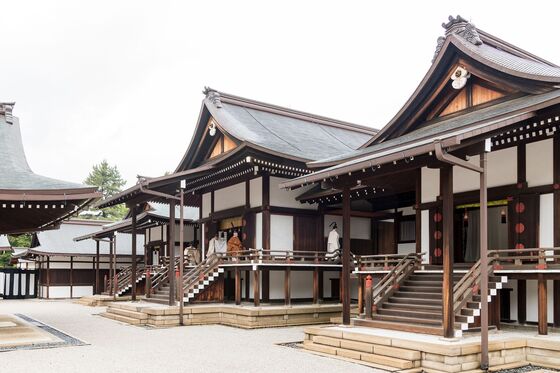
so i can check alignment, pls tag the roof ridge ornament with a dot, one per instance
(461, 27)
(213, 96)
(6, 110)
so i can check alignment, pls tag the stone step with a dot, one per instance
(402, 326)
(127, 313)
(121, 318)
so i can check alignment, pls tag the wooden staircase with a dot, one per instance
(409, 299)
(122, 284)
(195, 280)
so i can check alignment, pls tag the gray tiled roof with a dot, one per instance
(15, 171)
(61, 241)
(509, 60)
(443, 125)
(305, 139)
(4, 243)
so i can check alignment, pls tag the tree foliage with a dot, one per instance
(5, 259)
(109, 181)
(22, 240)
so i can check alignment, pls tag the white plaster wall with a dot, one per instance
(406, 248)
(255, 190)
(407, 210)
(360, 228)
(281, 232)
(57, 292)
(512, 284)
(229, 197)
(430, 184)
(2, 282)
(32, 281)
(327, 275)
(502, 168)
(155, 234)
(546, 220)
(206, 204)
(89, 265)
(425, 235)
(287, 198)
(258, 230)
(82, 291)
(277, 285)
(540, 163)
(203, 240)
(301, 284)
(532, 301)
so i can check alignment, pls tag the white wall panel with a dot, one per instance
(540, 163)
(425, 235)
(360, 228)
(287, 198)
(546, 220)
(258, 229)
(206, 204)
(255, 190)
(82, 291)
(301, 284)
(327, 276)
(406, 248)
(430, 184)
(281, 232)
(229, 197)
(532, 301)
(58, 292)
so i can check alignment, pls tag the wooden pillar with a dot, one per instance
(287, 287)
(315, 285)
(360, 294)
(321, 285)
(247, 285)
(97, 279)
(171, 251)
(266, 234)
(542, 295)
(111, 265)
(345, 278)
(521, 301)
(484, 358)
(556, 181)
(133, 251)
(256, 288)
(237, 286)
(446, 180)
(71, 277)
(48, 276)
(418, 218)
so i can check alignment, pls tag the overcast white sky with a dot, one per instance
(122, 80)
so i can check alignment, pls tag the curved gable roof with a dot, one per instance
(463, 40)
(274, 129)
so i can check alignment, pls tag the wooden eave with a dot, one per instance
(453, 52)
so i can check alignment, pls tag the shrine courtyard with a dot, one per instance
(97, 344)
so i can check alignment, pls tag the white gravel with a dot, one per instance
(116, 347)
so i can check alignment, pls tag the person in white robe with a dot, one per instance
(333, 243)
(212, 245)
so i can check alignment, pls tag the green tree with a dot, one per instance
(22, 240)
(109, 181)
(5, 259)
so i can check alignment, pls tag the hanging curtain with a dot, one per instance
(472, 250)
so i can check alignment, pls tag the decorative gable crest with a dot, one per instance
(461, 27)
(213, 96)
(6, 110)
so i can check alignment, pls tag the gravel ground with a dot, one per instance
(116, 347)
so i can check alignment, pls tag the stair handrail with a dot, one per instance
(468, 285)
(378, 262)
(395, 276)
(199, 272)
(163, 277)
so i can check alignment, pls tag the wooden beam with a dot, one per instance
(521, 301)
(266, 234)
(171, 251)
(287, 287)
(237, 286)
(315, 285)
(133, 210)
(446, 177)
(542, 306)
(345, 278)
(97, 279)
(71, 276)
(418, 220)
(48, 276)
(256, 288)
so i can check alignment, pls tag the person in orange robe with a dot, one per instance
(234, 245)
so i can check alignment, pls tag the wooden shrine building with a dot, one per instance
(480, 130)
(240, 153)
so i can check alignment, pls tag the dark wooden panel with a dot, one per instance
(305, 233)
(213, 293)
(524, 221)
(384, 237)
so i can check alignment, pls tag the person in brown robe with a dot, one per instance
(234, 245)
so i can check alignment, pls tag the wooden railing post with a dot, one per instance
(105, 283)
(369, 296)
(148, 289)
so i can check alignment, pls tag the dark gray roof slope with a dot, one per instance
(435, 130)
(284, 131)
(15, 171)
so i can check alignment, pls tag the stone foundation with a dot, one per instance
(100, 300)
(239, 316)
(417, 352)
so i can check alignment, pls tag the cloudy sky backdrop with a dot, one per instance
(122, 80)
